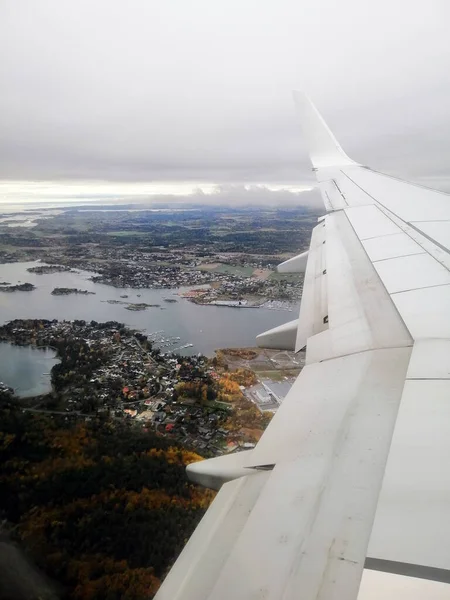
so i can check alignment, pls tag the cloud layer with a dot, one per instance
(200, 91)
(16, 196)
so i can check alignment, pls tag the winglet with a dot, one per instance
(324, 149)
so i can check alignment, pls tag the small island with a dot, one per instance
(170, 300)
(20, 287)
(46, 269)
(132, 305)
(67, 291)
(140, 306)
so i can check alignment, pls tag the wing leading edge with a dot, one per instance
(349, 473)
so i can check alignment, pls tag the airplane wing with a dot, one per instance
(349, 482)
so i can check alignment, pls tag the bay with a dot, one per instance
(205, 327)
(26, 369)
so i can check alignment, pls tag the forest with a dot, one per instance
(101, 507)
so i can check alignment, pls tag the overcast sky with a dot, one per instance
(185, 92)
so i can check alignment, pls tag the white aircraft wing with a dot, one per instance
(350, 481)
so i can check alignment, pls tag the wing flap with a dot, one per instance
(196, 570)
(313, 316)
(329, 441)
(412, 524)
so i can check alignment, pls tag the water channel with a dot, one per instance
(205, 327)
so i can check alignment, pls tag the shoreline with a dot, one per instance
(192, 323)
(285, 305)
(112, 371)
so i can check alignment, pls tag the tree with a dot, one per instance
(103, 508)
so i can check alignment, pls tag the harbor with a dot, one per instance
(199, 328)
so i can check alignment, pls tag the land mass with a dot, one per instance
(46, 269)
(92, 475)
(108, 369)
(21, 287)
(94, 471)
(91, 455)
(139, 306)
(231, 252)
(66, 291)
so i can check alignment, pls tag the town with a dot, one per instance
(231, 253)
(109, 371)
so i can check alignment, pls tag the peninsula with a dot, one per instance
(20, 287)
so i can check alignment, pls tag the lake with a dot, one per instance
(26, 369)
(205, 327)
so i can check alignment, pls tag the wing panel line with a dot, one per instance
(407, 223)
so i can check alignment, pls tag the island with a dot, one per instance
(20, 287)
(47, 269)
(140, 306)
(66, 291)
(132, 305)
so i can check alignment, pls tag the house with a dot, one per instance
(130, 412)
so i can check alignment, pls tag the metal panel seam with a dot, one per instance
(394, 257)
(363, 351)
(407, 223)
(425, 287)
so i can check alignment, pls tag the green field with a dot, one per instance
(291, 277)
(127, 233)
(234, 270)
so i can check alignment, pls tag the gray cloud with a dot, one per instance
(115, 194)
(255, 195)
(201, 91)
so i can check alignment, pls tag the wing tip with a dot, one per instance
(324, 149)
